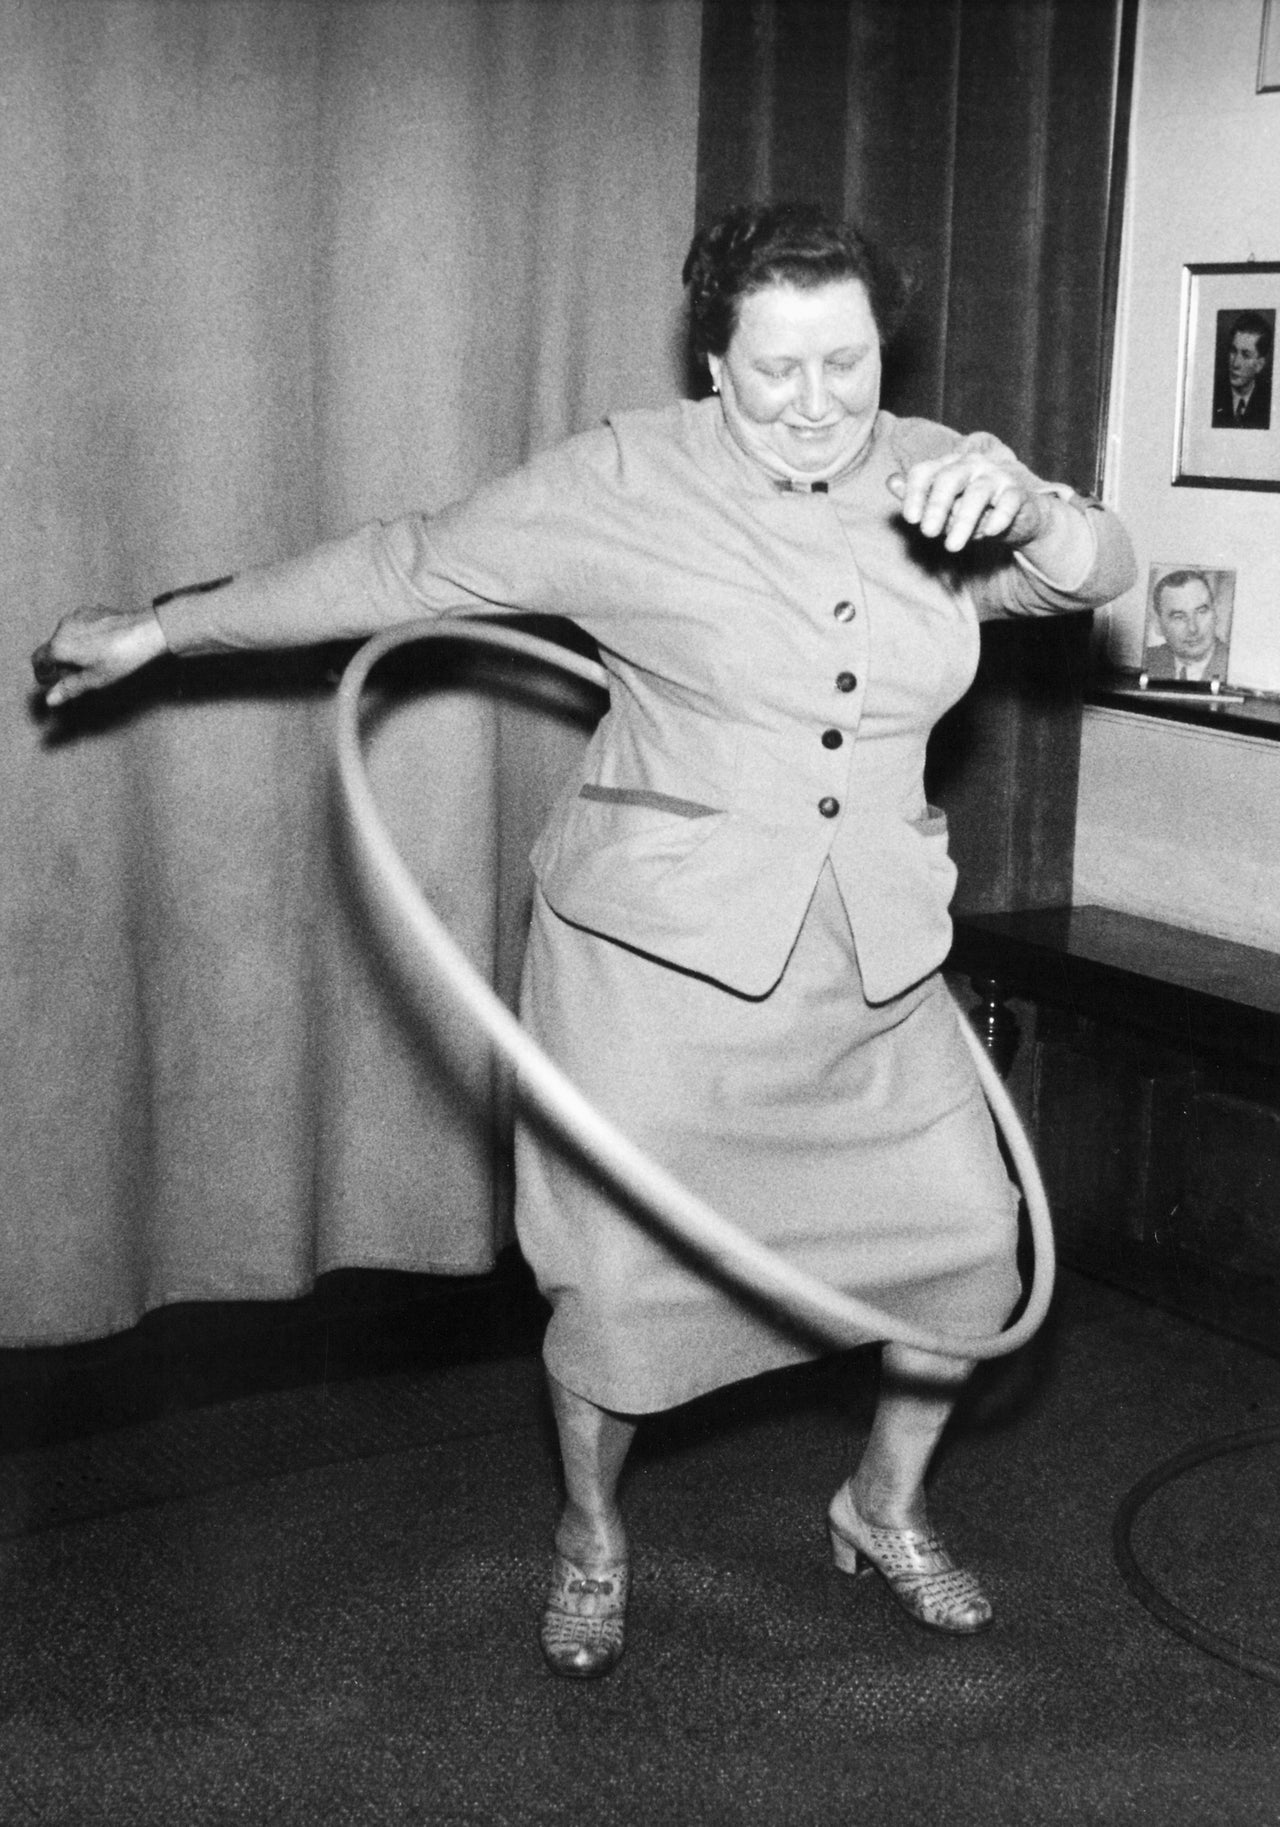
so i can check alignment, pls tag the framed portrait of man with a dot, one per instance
(1228, 433)
(1188, 628)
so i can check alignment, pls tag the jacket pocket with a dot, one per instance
(932, 822)
(653, 802)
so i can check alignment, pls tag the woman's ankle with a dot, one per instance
(884, 1505)
(590, 1541)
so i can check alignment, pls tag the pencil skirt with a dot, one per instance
(852, 1137)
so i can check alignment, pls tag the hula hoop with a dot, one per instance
(1232, 1650)
(403, 910)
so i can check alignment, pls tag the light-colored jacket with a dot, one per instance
(776, 662)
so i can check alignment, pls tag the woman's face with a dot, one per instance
(800, 380)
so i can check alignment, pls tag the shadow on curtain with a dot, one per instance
(975, 139)
(269, 271)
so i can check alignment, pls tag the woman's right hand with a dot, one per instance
(93, 647)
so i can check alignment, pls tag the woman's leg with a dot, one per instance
(582, 1626)
(917, 1394)
(594, 1443)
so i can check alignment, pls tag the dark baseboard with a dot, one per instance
(356, 1323)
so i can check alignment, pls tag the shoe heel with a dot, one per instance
(848, 1558)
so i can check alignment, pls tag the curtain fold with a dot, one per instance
(973, 138)
(268, 271)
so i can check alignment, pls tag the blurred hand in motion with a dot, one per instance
(93, 647)
(978, 491)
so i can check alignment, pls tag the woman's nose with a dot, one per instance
(813, 394)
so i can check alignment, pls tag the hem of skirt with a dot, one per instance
(652, 1402)
(644, 1398)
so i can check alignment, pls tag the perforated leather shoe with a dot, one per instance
(584, 1620)
(914, 1565)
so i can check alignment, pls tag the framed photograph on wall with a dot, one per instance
(1228, 417)
(1188, 628)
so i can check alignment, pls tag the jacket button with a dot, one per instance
(828, 807)
(831, 739)
(844, 612)
(846, 681)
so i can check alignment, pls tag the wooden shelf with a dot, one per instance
(1253, 716)
(1186, 986)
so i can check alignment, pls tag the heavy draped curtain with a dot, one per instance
(270, 270)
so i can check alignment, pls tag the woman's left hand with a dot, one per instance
(978, 491)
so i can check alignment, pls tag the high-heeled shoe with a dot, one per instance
(913, 1564)
(582, 1626)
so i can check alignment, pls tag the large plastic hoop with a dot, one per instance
(403, 910)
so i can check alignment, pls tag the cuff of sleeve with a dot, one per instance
(170, 624)
(170, 596)
(1064, 555)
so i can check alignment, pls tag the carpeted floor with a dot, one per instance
(319, 1606)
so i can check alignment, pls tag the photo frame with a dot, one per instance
(1228, 409)
(1269, 51)
(1187, 633)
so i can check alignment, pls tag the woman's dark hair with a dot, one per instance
(763, 244)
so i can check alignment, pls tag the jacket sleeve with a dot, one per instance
(1084, 559)
(528, 541)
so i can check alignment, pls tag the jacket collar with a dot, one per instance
(749, 474)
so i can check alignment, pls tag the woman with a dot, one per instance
(785, 584)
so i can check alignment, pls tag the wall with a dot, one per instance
(1171, 819)
(1173, 824)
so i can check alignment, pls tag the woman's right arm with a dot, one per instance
(341, 589)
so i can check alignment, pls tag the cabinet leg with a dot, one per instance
(996, 1023)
